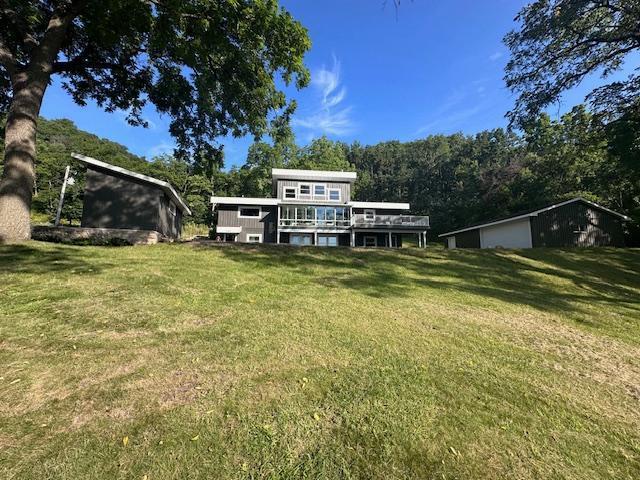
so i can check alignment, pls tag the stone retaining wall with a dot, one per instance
(95, 236)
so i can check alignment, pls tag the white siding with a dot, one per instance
(516, 234)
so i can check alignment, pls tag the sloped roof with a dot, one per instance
(165, 186)
(533, 213)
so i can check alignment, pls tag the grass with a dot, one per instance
(182, 361)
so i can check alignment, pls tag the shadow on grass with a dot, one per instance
(565, 281)
(23, 258)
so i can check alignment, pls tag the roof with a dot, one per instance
(381, 205)
(244, 201)
(312, 175)
(165, 186)
(533, 213)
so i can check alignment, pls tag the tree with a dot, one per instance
(322, 154)
(560, 42)
(209, 65)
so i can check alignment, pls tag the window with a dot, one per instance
(370, 241)
(300, 239)
(319, 191)
(334, 194)
(289, 192)
(305, 190)
(254, 238)
(249, 212)
(369, 215)
(327, 240)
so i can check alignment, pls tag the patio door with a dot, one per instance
(300, 239)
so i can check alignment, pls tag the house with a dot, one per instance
(574, 223)
(312, 207)
(116, 198)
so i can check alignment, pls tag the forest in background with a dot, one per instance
(456, 179)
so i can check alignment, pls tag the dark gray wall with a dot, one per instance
(117, 201)
(112, 201)
(468, 239)
(557, 227)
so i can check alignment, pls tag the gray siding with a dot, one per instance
(557, 227)
(112, 201)
(345, 189)
(468, 239)
(169, 224)
(264, 225)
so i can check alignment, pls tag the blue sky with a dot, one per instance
(377, 74)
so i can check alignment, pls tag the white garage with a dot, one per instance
(515, 234)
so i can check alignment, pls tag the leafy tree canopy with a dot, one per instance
(560, 42)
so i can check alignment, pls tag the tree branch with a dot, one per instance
(8, 60)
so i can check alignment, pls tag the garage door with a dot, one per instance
(516, 234)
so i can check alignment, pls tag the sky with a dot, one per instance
(377, 73)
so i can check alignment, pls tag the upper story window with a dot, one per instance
(319, 191)
(249, 212)
(369, 215)
(290, 192)
(334, 194)
(305, 190)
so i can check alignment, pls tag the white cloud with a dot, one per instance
(495, 56)
(330, 117)
(456, 109)
(161, 149)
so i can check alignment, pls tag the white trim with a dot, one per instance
(284, 193)
(249, 201)
(228, 229)
(253, 207)
(259, 235)
(305, 196)
(381, 205)
(166, 186)
(367, 212)
(324, 188)
(334, 190)
(535, 214)
(312, 175)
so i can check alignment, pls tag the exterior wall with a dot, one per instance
(264, 225)
(558, 227)
(345, 189)
(169, 224)
(468, 239)
(113, 201)
(381, 237)
(515, 234)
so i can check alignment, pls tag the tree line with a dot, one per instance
(455, 179)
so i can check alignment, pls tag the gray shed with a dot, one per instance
(118, 198)
(573, 223)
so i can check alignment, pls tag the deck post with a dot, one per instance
(315, 238)
(419, 240)
(353, 238)
(389, 238)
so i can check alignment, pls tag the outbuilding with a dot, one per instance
(572, 223)
(117, 198)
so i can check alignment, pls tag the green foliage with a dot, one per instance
(560, 42)
(209, 65)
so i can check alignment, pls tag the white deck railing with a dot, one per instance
(391, 220)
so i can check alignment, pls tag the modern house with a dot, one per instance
(573, 223)
(315, 208)
(117, 198)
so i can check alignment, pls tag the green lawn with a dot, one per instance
(179, 361)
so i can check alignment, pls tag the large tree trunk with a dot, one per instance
(18, 177)
(29, 85)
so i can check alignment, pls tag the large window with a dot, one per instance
(328, 240)
(334, 194)
(310, 215)
(305, 190)
(300, 239)
(254, 238)
(249, 212)
(289, 192)
(319, 191)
